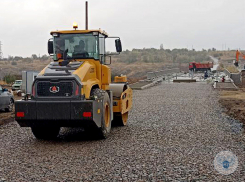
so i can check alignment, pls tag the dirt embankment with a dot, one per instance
(234, 102)
(134, 71)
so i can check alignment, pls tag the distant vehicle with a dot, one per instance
(193, 66)
(6, 100)
(17, 85)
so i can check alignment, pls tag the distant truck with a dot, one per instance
(193, 66)
(17, 85)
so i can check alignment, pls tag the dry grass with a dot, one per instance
(233, 95)
(232, 69)
(8, 68)
(2, 82)
(135, 70)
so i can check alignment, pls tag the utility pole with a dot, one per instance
(86, 15)
(1, 53)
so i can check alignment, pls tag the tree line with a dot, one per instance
(28, 59)
(161, 55)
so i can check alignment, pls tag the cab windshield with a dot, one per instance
(77, 46)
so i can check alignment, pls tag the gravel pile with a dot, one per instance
(174, 134)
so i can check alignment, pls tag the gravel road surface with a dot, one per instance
(174, 133)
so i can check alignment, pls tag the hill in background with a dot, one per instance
(135, 64)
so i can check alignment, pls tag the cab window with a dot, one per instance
(79, 46)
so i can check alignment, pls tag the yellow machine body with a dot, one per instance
(93, 74)
(75, 89)
(120, 79)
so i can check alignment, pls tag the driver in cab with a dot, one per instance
(79, 50)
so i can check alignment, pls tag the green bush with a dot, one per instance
(9, 78)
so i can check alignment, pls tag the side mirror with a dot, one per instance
(118, 45)
(50, 47)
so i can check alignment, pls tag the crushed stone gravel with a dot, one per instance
(174, 132)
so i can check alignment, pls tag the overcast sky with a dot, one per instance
(25, 24)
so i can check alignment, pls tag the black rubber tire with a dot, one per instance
(10, 106)
(103, 95)
(118, 119)
(45, 133)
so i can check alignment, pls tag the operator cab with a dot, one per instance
(80, 44)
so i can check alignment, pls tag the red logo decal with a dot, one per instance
(54, 89)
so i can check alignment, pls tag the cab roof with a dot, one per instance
(79, 31)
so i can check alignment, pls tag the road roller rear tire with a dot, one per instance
(105, 128)
(120, 119)
(45, 133)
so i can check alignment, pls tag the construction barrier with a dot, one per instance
(236, 77)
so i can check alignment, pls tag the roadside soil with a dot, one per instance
(234, 102)
(6, 117)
